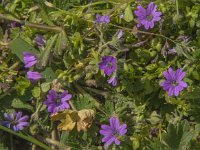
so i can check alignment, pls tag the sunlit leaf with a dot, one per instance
(128, 14)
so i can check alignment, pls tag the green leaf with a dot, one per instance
(78, 42)
(198, 23)
(178, 137)
(196, 75)
(22, 85)
(45, 17)
(152, 67)
(173, 138)
(44, 57)
(48, 74)
(45, 86)
(19, 104)
(128, 14)
(2, 147)
(194, 94)
(36, 92)
(60, 43)
(155, 118)
(197, 127)
(186, 138)
(85, 101)
(156, 144)
(18, 46)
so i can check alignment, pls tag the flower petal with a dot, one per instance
(111, 140)
(117, 142)
(112, 122)
(151, 8)
(105, 132)
(176, 91)
(105, 127)
(122, 129)
(183, 84)
(22, 119)
(171, 91)
(106, 138)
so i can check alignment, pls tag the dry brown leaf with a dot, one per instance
(71, 118)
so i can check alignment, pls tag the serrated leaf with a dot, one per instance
(44, 57)
(77, 41)
(128, 14)
(178, 137)
(58, 46)
(61, 43)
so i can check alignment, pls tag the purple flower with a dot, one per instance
(15, 121)
(108, 64)
(113, 81)
(39, 40)
(15, 24)
(148, 16)
(29, 59)
(113, 132)
(33, 76)
(57, 102)
(174, 83)
(102, 19)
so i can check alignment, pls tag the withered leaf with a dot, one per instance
(71, 118)
(86, 118)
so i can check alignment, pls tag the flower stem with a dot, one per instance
(43, 27)
(143, 32)
(11, 142)
(26, 137)
(177, 9)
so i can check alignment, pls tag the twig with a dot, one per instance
(32, 25)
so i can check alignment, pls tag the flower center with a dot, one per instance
(110, 65)
(149, 17)
(115, 133)
(174, 83)
(14, 122)
(57, 100)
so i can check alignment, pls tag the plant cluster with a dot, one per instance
(96, 74)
